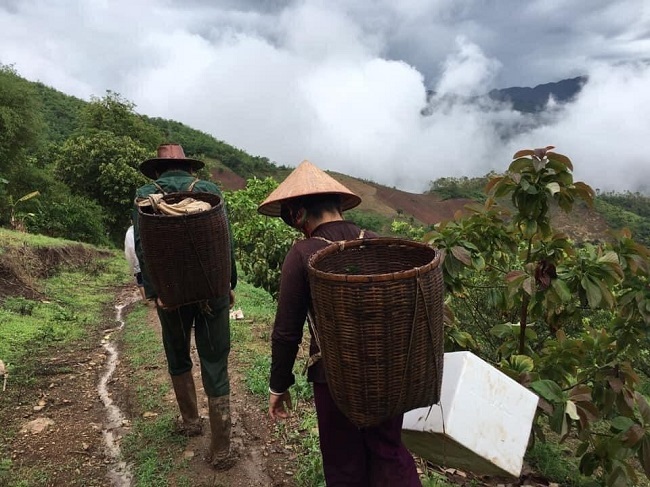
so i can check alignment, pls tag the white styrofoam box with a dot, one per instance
(482, 423)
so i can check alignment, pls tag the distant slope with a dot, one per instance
(532, 100)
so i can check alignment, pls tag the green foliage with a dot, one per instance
(408, 230)
(463, 187)
(257, 375)
(116, 115)
(554, 463)
(261, 242)
(369, 221)
(73, 217)
(434, 479)
(569, 318)
(61, 112)
(627, 210)
(20, 119)
(104, 168)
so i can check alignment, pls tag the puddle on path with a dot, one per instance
(119, 472)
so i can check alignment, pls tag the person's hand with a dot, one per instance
(232, 298)
(161, 305)
(279, 405)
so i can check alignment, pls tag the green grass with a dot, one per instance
(10, 238)
(252, 342)
(434, 479)
(73, 306)
(74, 301)
(257, 304)
(310, 468)
(151, 446)
(555, 463)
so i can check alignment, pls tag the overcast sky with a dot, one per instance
(342, 83)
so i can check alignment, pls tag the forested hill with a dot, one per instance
(63, 116)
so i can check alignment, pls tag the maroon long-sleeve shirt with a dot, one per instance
(294, 301)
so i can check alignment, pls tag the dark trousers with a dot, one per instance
(212, 336)
(367, 457)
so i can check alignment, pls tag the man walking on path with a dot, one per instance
(172, 172)
(312, 201)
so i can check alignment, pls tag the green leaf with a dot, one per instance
(529, 228)
(503, 330)
(549, 390)
(594, 296)
(28, 196)
(478, 262)
(558, 421)
(520, 164)
(621, 423)
(521, 363)
(562, 290)
(561, 158)
(609, 257)
(553, 187)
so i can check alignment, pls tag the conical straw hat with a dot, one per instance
(305, 180)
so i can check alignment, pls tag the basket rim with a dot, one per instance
(199, 195)
(341, 245)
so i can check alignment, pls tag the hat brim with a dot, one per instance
(273, 208)
(148, 167)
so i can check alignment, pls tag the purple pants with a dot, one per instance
(367, 457)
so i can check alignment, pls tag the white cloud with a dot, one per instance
(342, 83)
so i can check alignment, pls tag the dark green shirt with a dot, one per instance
(173, 181)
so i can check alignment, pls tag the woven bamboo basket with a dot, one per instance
(187, 257)
(378, 306)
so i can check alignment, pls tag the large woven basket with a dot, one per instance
(187, 257)
(378, 306)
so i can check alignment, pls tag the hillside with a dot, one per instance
(57, 125)
(429, 208)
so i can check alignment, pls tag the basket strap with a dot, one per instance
(323, 239)
(192, 184)
(312, 323)
(159, 187)
(317, 356)
(420, 295)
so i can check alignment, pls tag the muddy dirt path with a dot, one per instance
(262, 461)
(64, 427)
